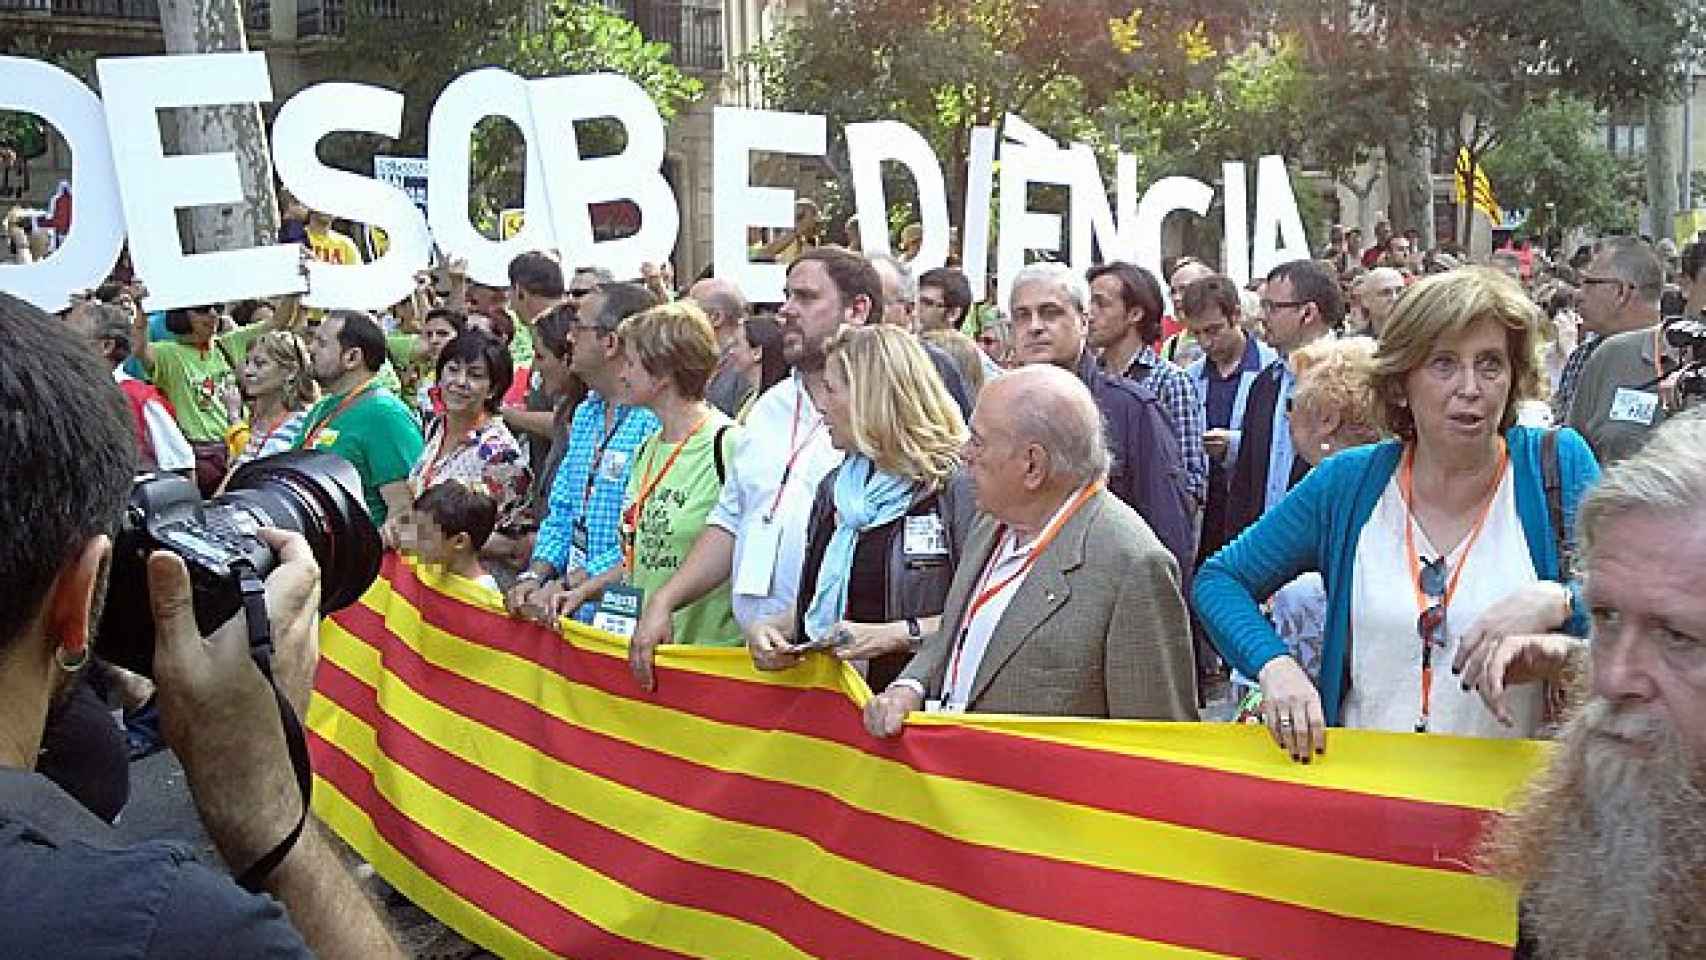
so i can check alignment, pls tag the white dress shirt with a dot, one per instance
(769, 521)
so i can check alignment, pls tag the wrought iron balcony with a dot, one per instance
(693, 30)
(137, 10)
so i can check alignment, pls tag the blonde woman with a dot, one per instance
(1392, 528)
(279, 387)
(888, 525)
(964, 352)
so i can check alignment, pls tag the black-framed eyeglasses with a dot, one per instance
(1590, 281)
(579, 292)
(1269, 306)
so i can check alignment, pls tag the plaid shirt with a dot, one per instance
(609, 486)
(1569, 377)
(1178, 395)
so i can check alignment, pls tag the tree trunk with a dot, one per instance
(1662, 146)
(213, 26)
(1407, 186)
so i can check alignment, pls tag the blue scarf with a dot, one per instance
(864, 499)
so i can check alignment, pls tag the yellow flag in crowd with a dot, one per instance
(1482, 187)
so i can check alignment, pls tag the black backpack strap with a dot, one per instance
(1552, 478)
(717, 451)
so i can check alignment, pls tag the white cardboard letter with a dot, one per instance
(575, 183)
(1276, 210)
(737, 134)
(302, 121)
(97, 232)
(1162, 198)
(974, 234)
(153, 186)
(868, 145)
(1235, 245)
(470, 98)
(1021, 229)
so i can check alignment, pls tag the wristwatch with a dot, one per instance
(914, 633)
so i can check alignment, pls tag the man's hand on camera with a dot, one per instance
(217, 711)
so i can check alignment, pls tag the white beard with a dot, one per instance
(1609, 845)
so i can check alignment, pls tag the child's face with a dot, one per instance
(429, 542)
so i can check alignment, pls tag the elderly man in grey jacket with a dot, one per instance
(1066, 604)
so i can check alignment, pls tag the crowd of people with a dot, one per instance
(1351, 488)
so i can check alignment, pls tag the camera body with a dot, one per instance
(1689, 336)
(316, 494)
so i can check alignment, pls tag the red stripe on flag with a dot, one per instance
(1070, 893)
(1434, 835)
(528, 913)
(654, 873)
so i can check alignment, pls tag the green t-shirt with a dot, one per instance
(521, 345)
(671, 520)
(375, 434)
(193, 379)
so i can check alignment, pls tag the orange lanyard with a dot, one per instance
(1406, 486)
(648, 486)
(431, 472)
(985, 594)
(793, 451)
(338, 411)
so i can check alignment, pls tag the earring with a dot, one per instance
(71, 660)
(1326, 447)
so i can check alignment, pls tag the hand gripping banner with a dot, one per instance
(519, 785)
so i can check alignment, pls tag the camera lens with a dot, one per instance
(313, 493)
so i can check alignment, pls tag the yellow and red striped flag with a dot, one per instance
(1479, 184)
(520, 786)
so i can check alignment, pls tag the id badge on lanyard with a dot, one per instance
(578, 546)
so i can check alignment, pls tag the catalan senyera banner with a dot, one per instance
(519, 785)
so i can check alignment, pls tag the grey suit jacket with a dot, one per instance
(1098, 627)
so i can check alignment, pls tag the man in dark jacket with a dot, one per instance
(1050, 326)
(1301, 304)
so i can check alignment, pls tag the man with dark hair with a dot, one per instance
(535, 285)
(1125, 322)
(944, 297)
(69, 889)
(1302, 303)
(580, 538)
(358, 419)
(1620, 394)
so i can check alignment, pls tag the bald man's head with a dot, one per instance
(1037, 434)
(723, 303)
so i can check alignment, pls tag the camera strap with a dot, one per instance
(254, 595)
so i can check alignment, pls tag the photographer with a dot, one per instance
(69, 890)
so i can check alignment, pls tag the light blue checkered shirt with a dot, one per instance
(603, 518)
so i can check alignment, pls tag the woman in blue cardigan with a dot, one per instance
(1440, 560)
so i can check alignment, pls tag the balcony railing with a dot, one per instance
(257, 15)
(693, 30)
(329, 18)
(148, 10)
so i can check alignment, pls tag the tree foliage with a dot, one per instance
(1549, 164)
(533, 40)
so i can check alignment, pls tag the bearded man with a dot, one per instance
(1608, 847)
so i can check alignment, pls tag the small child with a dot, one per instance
(452, 521)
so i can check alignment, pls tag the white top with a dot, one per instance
(769, 549)
(1386, 664)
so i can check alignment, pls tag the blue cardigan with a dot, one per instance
(1316, 527)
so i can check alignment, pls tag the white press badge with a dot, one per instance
(1634, 406)
(614, 466)
(924, 537)
(761, 545)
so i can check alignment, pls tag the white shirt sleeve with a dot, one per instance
(171, 449)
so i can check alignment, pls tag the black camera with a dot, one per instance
(313, 493)
(1689, 336)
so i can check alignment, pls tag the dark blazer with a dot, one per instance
(1097, 628)
(1247, 498)
(1148, 472)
